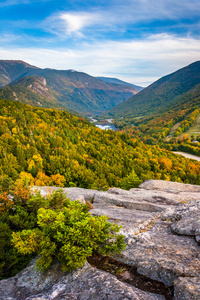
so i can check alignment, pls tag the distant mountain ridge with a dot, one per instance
(172, 90)
(67, 89)
(13, 69)
(118, 81)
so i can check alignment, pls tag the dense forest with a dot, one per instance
(172, 130)
(52, 147)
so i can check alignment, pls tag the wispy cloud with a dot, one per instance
(140, 62)
(69, 24)
(19, 2)
(74, 23)
(153, 9)
(9, 38)
(123, 17)
(13, 2)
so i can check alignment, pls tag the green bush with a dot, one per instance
(67, 232)
(131, 181)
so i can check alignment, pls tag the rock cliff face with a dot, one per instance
(161, 222)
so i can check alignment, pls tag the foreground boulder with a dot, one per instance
(82, 284)
(160, 221)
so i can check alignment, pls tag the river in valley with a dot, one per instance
(105, 126)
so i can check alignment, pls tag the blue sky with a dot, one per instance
(135, 40)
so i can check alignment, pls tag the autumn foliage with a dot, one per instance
(5, 202)
(51, 147)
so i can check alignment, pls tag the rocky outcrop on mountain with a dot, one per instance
(187, 288)
(39, 86)
(161, 224)
(188, 225)
(82, 284)
(169, 186)
(160, 220)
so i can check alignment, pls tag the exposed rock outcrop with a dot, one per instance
(169, 186)
(38, 86)
(187, 288)
(82, 284)
(161, 223)
(188, 225)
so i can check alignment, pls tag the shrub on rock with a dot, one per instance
(67, 232)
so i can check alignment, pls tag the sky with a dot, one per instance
(138, 41)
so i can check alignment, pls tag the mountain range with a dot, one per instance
(66, 89)
(171, 91)
(155, 110)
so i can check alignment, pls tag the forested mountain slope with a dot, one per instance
(58, 148)
(13, 69)
(67, 89)
(31, 90)
(168, 111)
(170, 92)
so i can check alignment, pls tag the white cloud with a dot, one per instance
(154, 9)
(68, 24)
(124, 17)
(8, 37)
(75, 22)
(140, 62)
(13, 2)
(19, 2)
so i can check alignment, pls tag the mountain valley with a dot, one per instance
(71, 90)
(47, 142)
(167, 111)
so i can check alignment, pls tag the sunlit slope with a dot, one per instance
(171, 91)
(55, 147)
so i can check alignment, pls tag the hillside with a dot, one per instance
(168, 111)
(55, 147)
(13, 69)
(67, 89)
(32, 91)
(169, 92)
